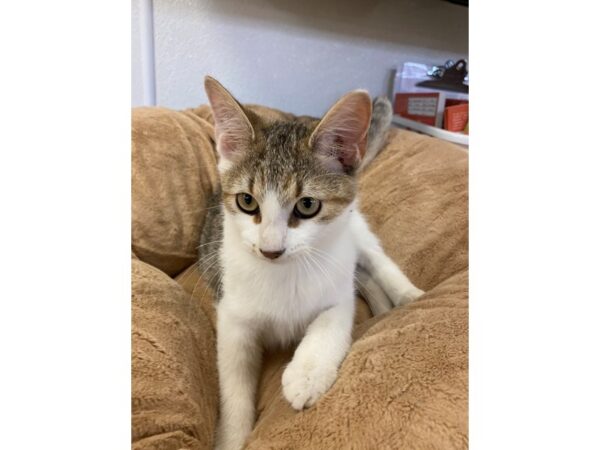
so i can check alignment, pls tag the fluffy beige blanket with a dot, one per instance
(404, 382)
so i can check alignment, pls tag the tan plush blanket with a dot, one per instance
(404, 382)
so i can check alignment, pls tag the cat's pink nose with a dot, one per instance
(272, 255)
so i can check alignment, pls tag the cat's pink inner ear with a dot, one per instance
(233, 130)
(340, 139)
(225, 146)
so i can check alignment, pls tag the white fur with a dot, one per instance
(306, 294)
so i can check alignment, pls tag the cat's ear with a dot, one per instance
(340, 139)
(233, 130)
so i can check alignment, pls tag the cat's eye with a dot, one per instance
(247, 203)
(307, 207)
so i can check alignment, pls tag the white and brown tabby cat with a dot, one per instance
(283, 243)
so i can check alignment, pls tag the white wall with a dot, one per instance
(299, 56)
(137, 97)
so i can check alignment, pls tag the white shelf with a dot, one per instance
(457, 138)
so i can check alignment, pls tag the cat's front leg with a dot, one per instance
(239, 361)
(313, 368)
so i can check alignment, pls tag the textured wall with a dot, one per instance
(297, 55)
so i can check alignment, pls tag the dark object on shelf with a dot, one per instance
(438, 71)
(452, 79)
(460, 2)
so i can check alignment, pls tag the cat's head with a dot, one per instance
(288, 186)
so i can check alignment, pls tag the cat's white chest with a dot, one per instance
(282, 299)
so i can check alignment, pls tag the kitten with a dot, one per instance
(283, 244)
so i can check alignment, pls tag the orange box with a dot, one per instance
(456, 117)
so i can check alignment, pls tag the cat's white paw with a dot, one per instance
(305, 381)
(413, 294)
(399, 295)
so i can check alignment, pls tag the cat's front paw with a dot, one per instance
(413, 294)
(305, 381)
(402, 296)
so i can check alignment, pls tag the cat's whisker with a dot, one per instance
(199, 265)
(207, 257)
(204, 256)
(329, 258)
(208, 285)
(304, 263)
(214, 262)
(198, 281)
(208, 263)
(209, 243)
(337, 265)
(194, 290)
(322, 269)
(310, 266)
(188, 272)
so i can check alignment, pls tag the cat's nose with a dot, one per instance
(272, 255)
